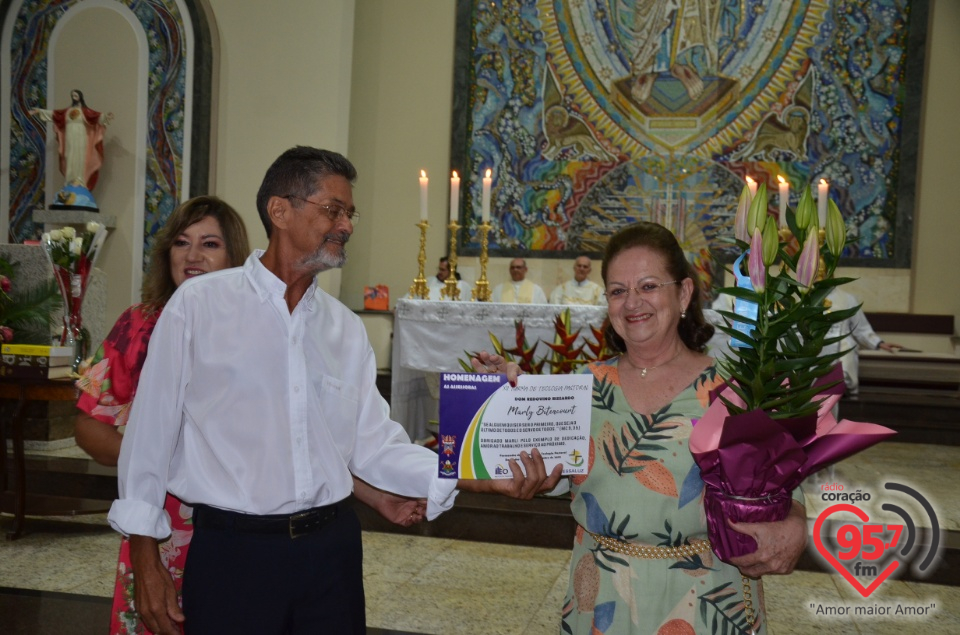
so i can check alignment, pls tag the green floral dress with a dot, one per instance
(644, 487)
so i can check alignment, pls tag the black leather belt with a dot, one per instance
(306, 522)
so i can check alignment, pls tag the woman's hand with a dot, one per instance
(486, 362)
(779, 544)
(524, 484)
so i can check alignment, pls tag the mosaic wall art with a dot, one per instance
(593, 114)
(166, 82)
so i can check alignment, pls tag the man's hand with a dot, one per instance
(397, 509)
(155, 597)
(524, 484)
(779, 544)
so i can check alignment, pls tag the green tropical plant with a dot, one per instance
(776, 358)
(27, 315)
(566, 355)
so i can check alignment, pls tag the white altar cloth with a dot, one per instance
(429, 337)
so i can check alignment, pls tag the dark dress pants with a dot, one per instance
(264, 584)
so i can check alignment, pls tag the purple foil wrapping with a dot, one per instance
(751, 463)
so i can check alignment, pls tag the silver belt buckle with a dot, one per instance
(293, 519)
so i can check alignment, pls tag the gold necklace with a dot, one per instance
(645, 369)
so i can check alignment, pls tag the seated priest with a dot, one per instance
(436, 284)
(579, 290)
(519, 290)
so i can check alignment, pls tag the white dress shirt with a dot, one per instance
(856, 330)
(245, 406)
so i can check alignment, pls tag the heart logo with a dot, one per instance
(862, 515)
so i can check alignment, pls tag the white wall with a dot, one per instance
(284, 80)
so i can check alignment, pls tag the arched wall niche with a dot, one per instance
(168, 142)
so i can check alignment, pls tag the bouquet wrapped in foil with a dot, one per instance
(772, 425)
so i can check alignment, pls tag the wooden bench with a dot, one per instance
(916, 392)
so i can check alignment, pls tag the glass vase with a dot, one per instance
(73, 288)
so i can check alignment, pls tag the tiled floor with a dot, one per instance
(435, 585)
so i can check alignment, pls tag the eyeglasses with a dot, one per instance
(647, 289)
(333, 212)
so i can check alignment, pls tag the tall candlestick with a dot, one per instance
(423, 194)
(784, 198)
(752, 186)
(668, 212)
(822, 192)
(485, 197)
(454, 197)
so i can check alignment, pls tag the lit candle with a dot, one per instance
(784, 198)
(752, 185)
(454, 197)
(423, 194)
(822, 191)
(485, 198)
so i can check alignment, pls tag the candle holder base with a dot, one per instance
(419, 290)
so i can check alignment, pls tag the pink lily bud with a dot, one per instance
(836, 230)
(758, 270)
(6, 334)
(771, 241)
(758, 210)
(809, 260)
(740, 221)
(5, 284)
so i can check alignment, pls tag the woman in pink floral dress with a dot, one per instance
(204, 234)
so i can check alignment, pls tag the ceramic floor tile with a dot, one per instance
(546, 621)
(802, 602)
(392, 558)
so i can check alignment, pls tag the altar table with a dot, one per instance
(429, 337)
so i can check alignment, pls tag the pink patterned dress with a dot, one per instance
(107, 391)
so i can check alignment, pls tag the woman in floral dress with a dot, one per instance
(641, 561)
(204, 234)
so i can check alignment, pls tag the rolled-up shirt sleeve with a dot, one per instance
(384, 456)
(153, 431)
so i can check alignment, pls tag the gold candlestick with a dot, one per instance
(450, 288)
(481, 290)
(419, 287)
(821, 265)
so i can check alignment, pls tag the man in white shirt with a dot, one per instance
(856, 331)
(258, 405)
(579, 290)
(518, 290)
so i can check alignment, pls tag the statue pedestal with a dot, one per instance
(55, 218)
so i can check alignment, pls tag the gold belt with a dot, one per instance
(652, 553)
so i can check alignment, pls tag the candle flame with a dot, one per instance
(423, 174)
(750, 180)
(823, 182)
(781, 179)
(489, 173)
(455, 175)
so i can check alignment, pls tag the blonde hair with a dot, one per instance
(159, 285)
